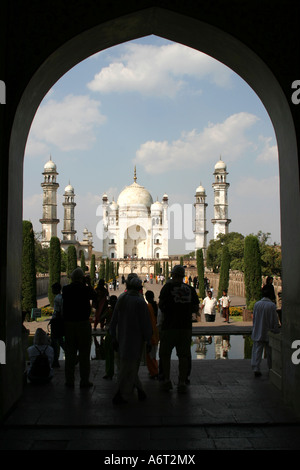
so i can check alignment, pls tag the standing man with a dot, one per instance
(177, 302)
(130, 329)
(265, 319)
(225, 304)
(77, 310)
(209, 307)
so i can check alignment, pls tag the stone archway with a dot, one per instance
(220, 45)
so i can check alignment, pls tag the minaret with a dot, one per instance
(49, 221)
(220, 220)
(165, 227)
(105, 221)
(200, 220)
(69, 214)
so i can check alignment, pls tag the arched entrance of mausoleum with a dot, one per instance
(206, 38)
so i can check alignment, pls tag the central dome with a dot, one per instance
(135, 194)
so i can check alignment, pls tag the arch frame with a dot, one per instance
(223, 47)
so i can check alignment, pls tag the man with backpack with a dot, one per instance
(177, 302)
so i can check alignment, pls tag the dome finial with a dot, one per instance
(134, 177)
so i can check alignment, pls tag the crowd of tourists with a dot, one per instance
(135, 324)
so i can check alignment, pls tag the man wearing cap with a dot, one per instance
(177, 302)
(130, 329)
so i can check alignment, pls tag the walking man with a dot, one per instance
(209, 307)
(225, 304)
(130, 328)
(177, 302)
(265, 319)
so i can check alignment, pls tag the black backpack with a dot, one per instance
(41, 367)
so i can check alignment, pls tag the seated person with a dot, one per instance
(41, 357)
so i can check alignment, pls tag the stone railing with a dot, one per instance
(42, 283)
(236, 283)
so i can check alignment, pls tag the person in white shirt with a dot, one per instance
(265, 319)
(225, 304)
(209, 307)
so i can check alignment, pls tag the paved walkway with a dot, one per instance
(225, 408)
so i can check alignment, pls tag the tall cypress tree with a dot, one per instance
(93, 270)
(252, 270)
(54, 266)
(28, 268)
(107, 269)
(167, 270)
(82, 262)
(111, 270)
(72, 260)
(224, 271)
(102, 270)
(200, 272)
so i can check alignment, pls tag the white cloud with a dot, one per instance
(68, 124)
(195, 148)
(269, 152)
(258, 189)
(158, 70)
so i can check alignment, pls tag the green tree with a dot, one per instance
(71, 260)
(271, 260)
(93, 269)
(200, 273)
(64, 261)
(102, 269)
(270, 255)
(54, 266)
(252, 270)
(107, 269)
(213, 258)
(28, 268)
(111, 270)
(167, 270)
(41, 255)
(82, 262)
(224, 271)
(235, 244)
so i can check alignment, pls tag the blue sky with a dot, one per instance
(170, 111)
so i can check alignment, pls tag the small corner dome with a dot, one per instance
(50, 166)
(200, 190)
(114, 205)
(156, 206)
(220, 165)
(69, 189)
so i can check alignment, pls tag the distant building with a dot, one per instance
(49, 221)
(134, 226)
(220, 221)
(200, 220)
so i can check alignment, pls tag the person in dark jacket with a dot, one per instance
(177, 302)
(77, 298)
